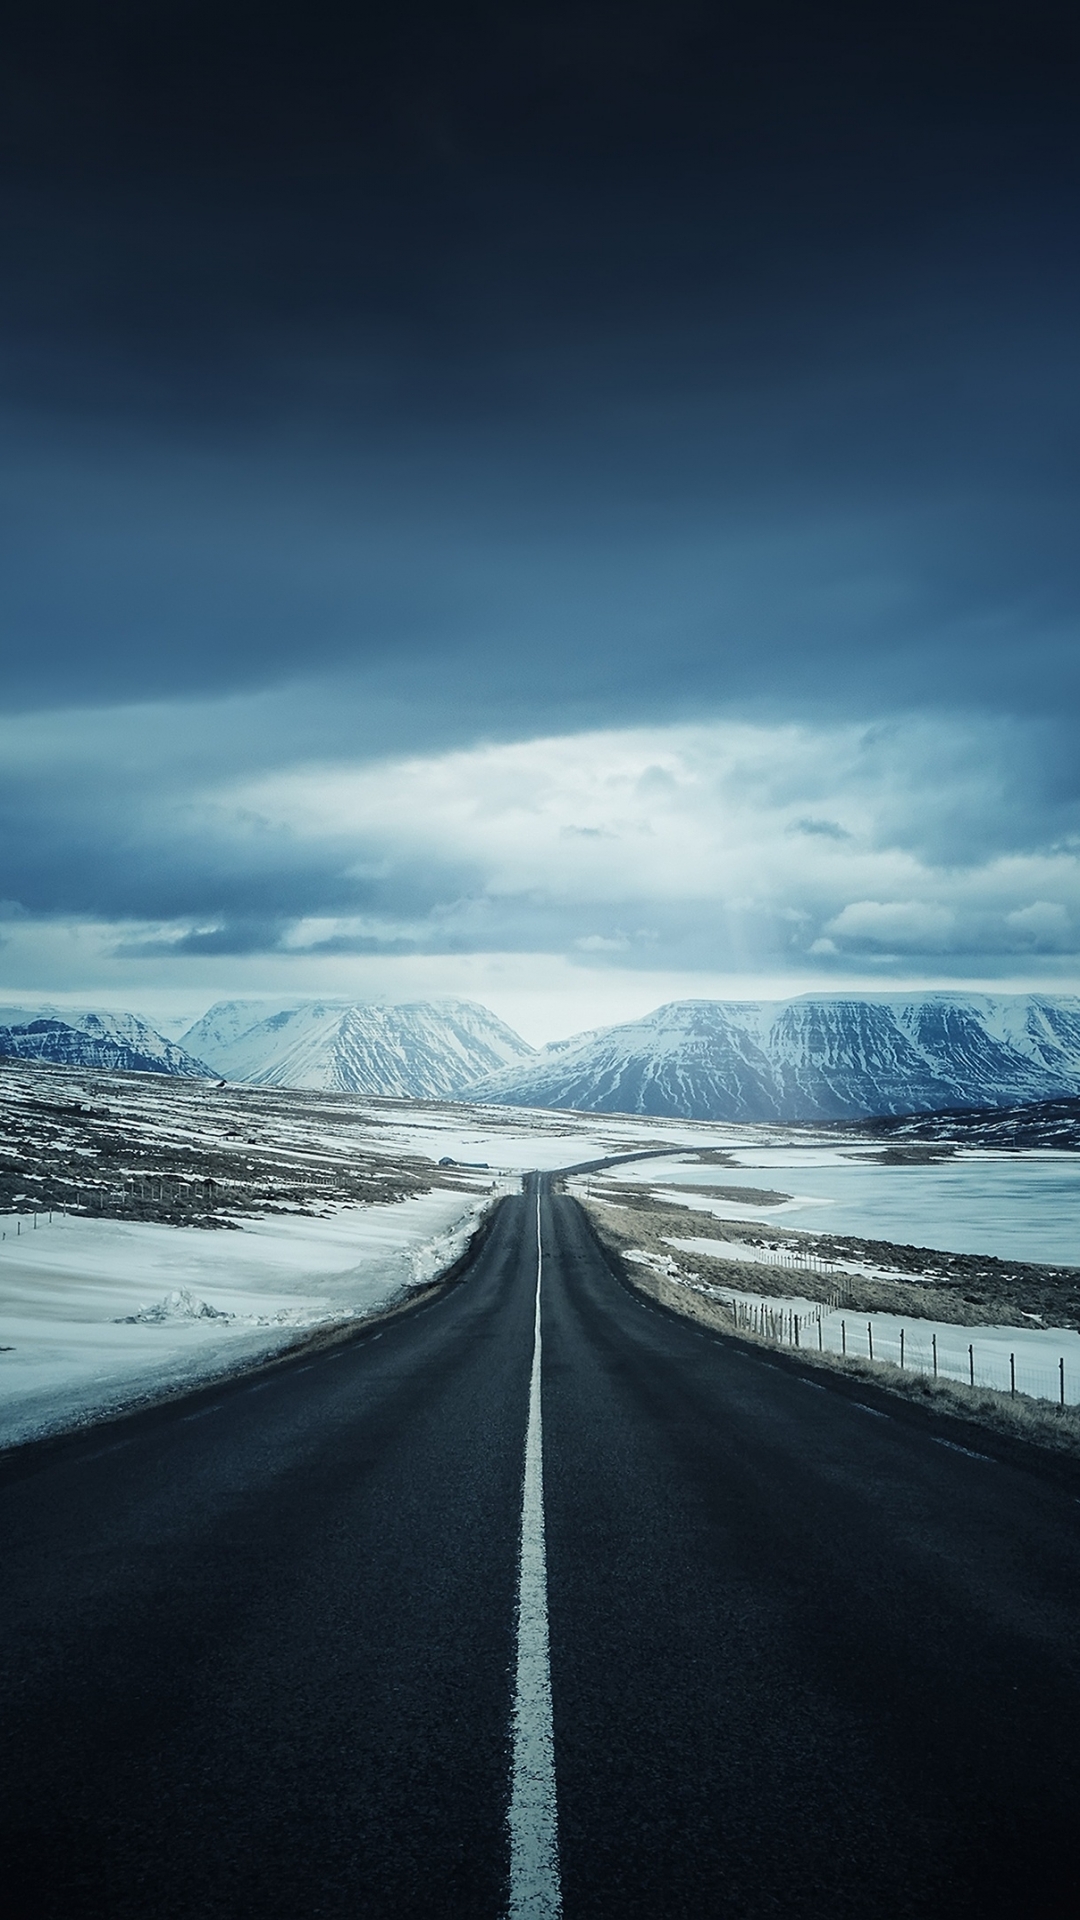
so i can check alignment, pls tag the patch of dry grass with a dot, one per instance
(150, 1147)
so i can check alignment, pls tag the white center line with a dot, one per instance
(535, 1893)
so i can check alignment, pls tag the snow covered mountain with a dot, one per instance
(818, 1057)
(427, 1049)
(92, 1039)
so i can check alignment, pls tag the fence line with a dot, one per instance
(783, 1326)
(792, 1260)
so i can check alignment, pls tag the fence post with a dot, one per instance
(971, 1364)
(901, 1348)
(870, 1339)
(933, 1343)
(843, 1336)
(795, 1318)
(1061, 1371)
(1012, 1373)
(820, 1336)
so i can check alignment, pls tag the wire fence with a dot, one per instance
(990, 1360)
(16, 1224)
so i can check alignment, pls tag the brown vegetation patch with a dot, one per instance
(154, 1147)
(960, 1289)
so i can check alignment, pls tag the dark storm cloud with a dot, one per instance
(377, 382)
(542, 363)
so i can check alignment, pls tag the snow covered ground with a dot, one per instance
(97, 1314)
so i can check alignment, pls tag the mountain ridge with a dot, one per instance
(814, 1057)
(94, 1037)
(411, 1049)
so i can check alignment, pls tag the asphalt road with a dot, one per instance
(257, 1648)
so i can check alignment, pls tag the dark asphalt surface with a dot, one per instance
(256, 1648)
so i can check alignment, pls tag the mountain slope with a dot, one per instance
(423, 1050)
(119, 1041)
(819, 1057)
(1041, 1123)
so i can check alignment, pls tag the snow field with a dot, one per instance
(97, 1314)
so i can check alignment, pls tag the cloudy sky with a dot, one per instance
(573, 504)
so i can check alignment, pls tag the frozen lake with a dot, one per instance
(1017, 1206)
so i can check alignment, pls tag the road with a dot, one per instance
(258, 1648)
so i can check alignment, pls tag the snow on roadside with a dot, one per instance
(98, 1313)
